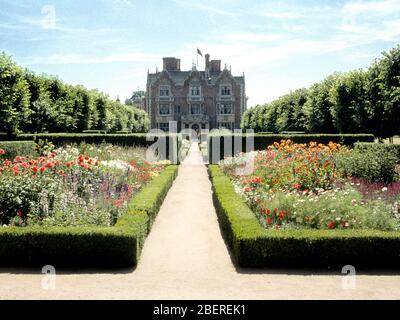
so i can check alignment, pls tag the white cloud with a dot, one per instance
(371, 8)
(207, 8)
(254, 37)
(72, 58)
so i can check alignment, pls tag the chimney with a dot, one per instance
(171, 64)
(215, 66)
(207, 56)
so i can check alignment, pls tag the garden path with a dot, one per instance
(185, 257)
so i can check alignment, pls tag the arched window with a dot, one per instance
(225, 90)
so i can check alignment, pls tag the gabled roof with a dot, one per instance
(179, 77)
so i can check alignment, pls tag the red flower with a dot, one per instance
(296, 185)
(247, 189)
(19, 214)
(86, 158)
(6, 163)
(49, 165)
(269, 221)
(61, 173)
(331, 224)
(16, 172)
(256, 179)
(35, 169)
(2, 152)
(68, 164)
(275, 211)
(42, 169)
(281, 215)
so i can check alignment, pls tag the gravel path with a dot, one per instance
(185, 257)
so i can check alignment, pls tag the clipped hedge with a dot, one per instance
(99, 247)
(15, 148)
(135, 139)
(378, 147)
(261, 141)
(254, 246)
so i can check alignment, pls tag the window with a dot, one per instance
(163, 109)
(164, 126)
(195, 90)
(226, 125)
(225, 91)
(195, 109)
(225, 108)
(164, 91)
(177, 109)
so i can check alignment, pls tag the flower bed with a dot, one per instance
(67, 188)
(302, 199)
(296, 186)
(253, 245)
(69, 209)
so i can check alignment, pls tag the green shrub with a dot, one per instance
(378, 147)
(261, 141)
(98, 247)
(254, 246)
(15, 148)
(373, 162)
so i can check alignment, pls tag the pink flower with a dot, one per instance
(2, 152)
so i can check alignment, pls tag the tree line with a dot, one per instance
(39, 103)
(359, 101)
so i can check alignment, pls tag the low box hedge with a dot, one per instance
(261, 141)
(15, 148)
(98, 247)
(254, 246)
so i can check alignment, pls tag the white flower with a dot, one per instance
(117, 164)
(384, 189)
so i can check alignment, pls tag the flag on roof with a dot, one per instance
(199, 52)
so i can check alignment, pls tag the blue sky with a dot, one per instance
(280, 46)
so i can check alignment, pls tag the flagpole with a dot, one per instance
(197, 66)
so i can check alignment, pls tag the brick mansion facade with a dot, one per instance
(195, 99)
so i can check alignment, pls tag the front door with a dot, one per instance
(196, 128)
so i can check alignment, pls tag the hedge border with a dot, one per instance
(99, 247)
(254, 246)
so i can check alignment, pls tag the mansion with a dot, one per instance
(195, 99)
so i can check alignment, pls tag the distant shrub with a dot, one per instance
(15, 148)
(373, 162)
